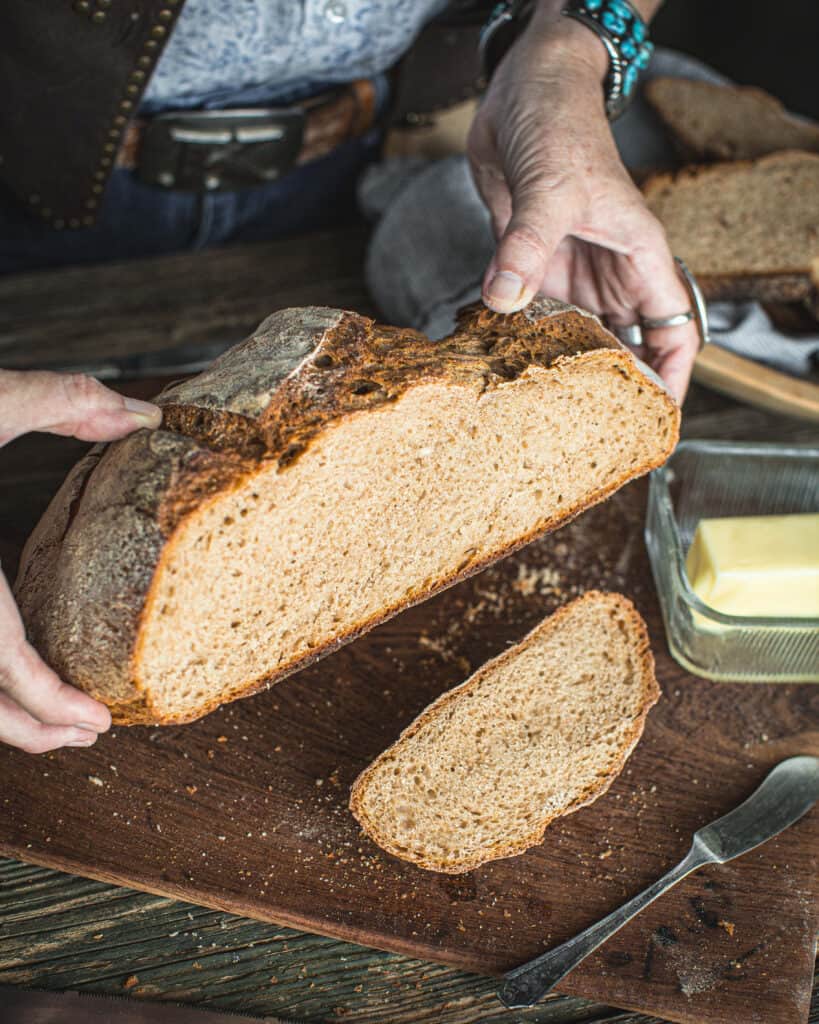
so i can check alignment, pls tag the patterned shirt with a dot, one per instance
(266, 50)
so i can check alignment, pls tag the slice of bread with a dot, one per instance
(537, 733)
(746, 229)
(727, 122)
(316, 479)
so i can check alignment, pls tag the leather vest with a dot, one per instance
(72, 73)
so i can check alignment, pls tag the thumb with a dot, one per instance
(70, 404)
(541, 219)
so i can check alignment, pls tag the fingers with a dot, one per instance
(541, 219)
(70, 404)
(635, 276)
(21, 730)
(37, 710)
(530, 218)
(671, 350)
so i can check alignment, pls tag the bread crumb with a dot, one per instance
(606, 853)
(190, 790)
(729, 926)
(96, 780)
(533, 580)
(130, 981)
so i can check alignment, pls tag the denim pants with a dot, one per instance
(138, 220)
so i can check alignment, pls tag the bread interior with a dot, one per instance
(383, 506)
(537, 733)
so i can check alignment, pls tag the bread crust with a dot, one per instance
(650, 696)
(102, 542)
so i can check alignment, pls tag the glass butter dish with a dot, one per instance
(712, 479)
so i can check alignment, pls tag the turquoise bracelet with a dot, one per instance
(625, 36)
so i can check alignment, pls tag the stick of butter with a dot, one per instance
(757, 565)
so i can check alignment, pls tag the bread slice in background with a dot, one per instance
(537, 733)
(746, 229)
(726, 122)
(316, 479)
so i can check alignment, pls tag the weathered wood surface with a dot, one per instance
(63, 932)
(49, 922)
(124, 308)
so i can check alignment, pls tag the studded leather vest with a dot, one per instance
(72, 73)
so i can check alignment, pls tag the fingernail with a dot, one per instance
(85, 725)
(84, 742)
(505, 289)
(145, 410)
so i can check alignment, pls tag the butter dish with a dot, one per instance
(709, 480)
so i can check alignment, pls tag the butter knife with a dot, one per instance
(788, 792)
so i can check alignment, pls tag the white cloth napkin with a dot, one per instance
(433, 239)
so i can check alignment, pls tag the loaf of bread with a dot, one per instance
(538, 732)
(746, 229)
(316, 479)
(726, 122)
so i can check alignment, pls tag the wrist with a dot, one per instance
(567, 41)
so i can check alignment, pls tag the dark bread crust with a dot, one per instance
(649, 697)
(86, 576)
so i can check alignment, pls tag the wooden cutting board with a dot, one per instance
(246, 810)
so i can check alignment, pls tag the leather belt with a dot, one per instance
(222, 150)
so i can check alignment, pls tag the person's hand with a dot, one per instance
(39, 712)
(569, 220)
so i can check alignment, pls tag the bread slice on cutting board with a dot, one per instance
(746, 229)
(726, 122)
(537, 733)
(317, 478)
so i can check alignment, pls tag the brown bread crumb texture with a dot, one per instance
(316, 479)
(727, 122)
(746, 229)
(535, 734)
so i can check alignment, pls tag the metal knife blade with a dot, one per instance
(786, 793)
(35, 1006)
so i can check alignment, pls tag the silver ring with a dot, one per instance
(632, 334)
(654, 323)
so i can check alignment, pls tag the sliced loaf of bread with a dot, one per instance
(538, 732)
(746, 229)
(726, 122)
(316, 479)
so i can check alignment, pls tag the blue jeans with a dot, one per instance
(138, 220)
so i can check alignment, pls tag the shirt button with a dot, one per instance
(335, 11)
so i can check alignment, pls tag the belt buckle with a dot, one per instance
(220, 150)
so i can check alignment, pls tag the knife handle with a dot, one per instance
(749, 381)
(525, 985)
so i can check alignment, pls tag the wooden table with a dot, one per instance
(51, 924)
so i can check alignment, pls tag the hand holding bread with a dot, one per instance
(39, 712)
(569, 220)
